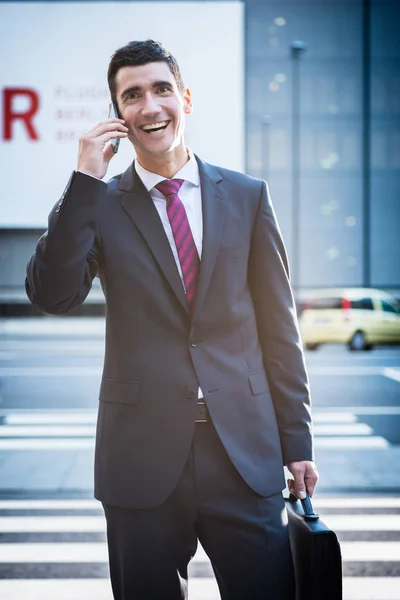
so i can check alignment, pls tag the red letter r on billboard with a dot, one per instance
(10, 114)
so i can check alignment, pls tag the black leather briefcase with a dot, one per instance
(316, 553)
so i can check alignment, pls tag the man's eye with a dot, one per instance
(131, 96)
(163, 89)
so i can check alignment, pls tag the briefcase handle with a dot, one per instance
(309, 514)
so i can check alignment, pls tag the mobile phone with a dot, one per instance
(113, 114)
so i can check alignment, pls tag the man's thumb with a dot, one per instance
(296, 488)
(108, 153)
(299, 489)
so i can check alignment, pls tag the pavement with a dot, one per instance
(32, 465)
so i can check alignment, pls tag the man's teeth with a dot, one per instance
(155, 126)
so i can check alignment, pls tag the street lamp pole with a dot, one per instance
(297, 47)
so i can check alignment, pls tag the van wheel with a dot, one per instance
(358, 342)
(311, 346)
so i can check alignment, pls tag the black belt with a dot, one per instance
(202, 414)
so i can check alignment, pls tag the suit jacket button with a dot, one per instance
(194, 342)
(190, 394)
(58, 208)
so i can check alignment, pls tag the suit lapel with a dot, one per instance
(138, 204)
(214, 210)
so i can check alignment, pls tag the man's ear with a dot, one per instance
(187, 102)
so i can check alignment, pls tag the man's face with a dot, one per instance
(153, 108)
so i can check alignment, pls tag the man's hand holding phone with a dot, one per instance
(95, 152)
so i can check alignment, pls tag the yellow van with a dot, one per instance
(358, 317)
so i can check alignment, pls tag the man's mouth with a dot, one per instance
(155, 127)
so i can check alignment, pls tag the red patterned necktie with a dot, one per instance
(186, 248)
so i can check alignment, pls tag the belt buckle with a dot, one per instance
(201, 413)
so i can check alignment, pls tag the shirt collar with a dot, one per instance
(189, 172)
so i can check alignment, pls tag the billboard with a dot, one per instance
(53, 87)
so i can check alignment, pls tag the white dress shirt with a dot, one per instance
(190, 196)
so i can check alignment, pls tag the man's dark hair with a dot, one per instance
(136, 54)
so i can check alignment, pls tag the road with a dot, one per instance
(52, 541)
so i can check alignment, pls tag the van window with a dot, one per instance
(321, 303)
(362, 304)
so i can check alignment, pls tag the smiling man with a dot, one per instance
(204, 395)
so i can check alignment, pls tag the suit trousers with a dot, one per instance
(244, 535)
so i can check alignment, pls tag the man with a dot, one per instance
(204, 395)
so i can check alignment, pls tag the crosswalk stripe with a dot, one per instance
(97, 552)
(356, 410)
(47, 444)
(71, 430)
(89, 557)
(355, 370)
(335, 417)
(57, 418)
(54, 553)
(392, 373)
(96, 371)
(50, 371)
(320, 414)
(46, 431)
(65, 553)
(362, 522)
(343, 429)
(18, 431)
(62, 589)
(370, 551)
(89, 417)
(42, 524)
(350, 442)
(81, 504)
(381, 522)
(82, 589)
(88, 444)
(354, 588)
(370, 588)
(356, 501)
(18, 351)
(319, 501)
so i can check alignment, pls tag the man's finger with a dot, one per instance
(311, 478)
(295, 489)
(106, 126)
(290, 485)
(298, 471)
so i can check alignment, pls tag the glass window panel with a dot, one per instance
(387, 307)
(362, 304)
(385, 143)
(330, 71)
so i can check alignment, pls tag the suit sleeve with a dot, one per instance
(278, 333)
(68, 255)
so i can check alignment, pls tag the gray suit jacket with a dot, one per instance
(241, 345)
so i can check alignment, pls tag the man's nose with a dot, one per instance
(151, 105)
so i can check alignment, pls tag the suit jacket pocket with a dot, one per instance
(258, 382)
(120, 392)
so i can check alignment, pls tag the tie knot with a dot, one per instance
(169, 186)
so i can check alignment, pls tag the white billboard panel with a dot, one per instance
(53, 87)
